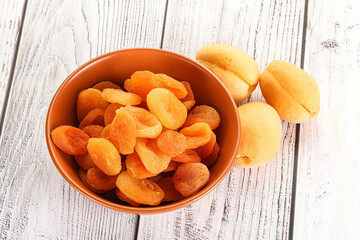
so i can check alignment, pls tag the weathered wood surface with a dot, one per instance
(250, 203)
(328, 193)
(10, 25)
(57, 37)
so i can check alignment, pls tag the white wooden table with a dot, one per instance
(309, 191)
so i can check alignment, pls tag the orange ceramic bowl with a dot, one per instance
(117, 67)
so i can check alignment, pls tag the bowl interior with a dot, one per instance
(117, 67)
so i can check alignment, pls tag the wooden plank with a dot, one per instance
(250, 203)
(58, 36)
(328, 192)
(10, 22)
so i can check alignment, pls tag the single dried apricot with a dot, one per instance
(172, 167)
(147, 125)
(94, 131)
(204, 114)
(106, 84)
(189, 156)
(119, 96)
(105, 156)
(99, 180)
(83, 178)
(189, 178)
(197, 134)
(172, 85)
(167, 108)
(123, 132)
(211, 159)
(205, 150)
(70, 140)
(154, 160)
(110, 112)
(127, 85)
(136, 168)
(85, 161)
(88, 100)
(172, 143)
(142, 82)
(141, 191)
(94, 117)
(171, 194)
(124, 198)
(188, 100)
(105, 132)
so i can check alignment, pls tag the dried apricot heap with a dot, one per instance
(141, 146)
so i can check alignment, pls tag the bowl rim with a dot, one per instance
(130, 209)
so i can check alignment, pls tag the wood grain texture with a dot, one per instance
(250, 203)
(10, 22)
(328, 192)
(58, 36)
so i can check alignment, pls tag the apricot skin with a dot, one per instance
(291, 91)
(260, 134)
(235, 68)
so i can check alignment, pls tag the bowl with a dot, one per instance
(117, 67)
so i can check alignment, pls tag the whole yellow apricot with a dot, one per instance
(291, 91)
(235, 68)
(260, 134)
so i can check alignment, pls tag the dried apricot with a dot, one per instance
(105, 132)
(83, 178)
(189, 156)
(105, 156)
(141, 191)
(94, 131)
(172, 167)
(154, 160)
(189, 178)
(88, 100)
(211, 159)
(167, 108)
(124, 198)
(147, 125)
(172, 143)
(94, 117)
(204, 114)
(110, 112)
(99, 180)
(119, 96)
(85, 161)
(136, 168)
(70, 140)
(205, 150)
(127, 85)
(106, 84)
(172, 85)
(197, 134)
(188, 100)
(171, 194)
(142, 82)
(123, 132)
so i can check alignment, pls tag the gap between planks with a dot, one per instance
(12, 68)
